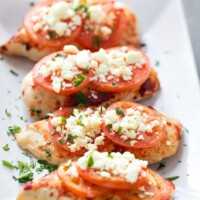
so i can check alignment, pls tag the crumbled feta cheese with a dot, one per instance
(82, 59)
(84, 127)
(64, 68)
(118, 165)
(132, 125)
(71, 49)
(52, 18)
(96, 13)
(114, 64)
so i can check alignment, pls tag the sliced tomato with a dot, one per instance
(139, 76)
(66, 112)
(89, 40)
(150, 139)
(39, 37)
(112, 182)
(77, 185)
(160, 189)
(46, 83)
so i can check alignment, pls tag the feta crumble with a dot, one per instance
(107, 165)
(81, 129)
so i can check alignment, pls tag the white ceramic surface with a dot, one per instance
(164, 31)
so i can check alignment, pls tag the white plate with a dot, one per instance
(164, 31)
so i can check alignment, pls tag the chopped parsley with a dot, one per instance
(110, 156)
(25, 173)
(119, 130)
(70, 137)
(109, 126)
(157, 63)
(32, 4)
(6, 148)
(61, 141)
(79, 6)
(1, 58)
(82, 99)
(161, 166)
(90, 161)
(45, 165)
(32, 163)
(186, 130)
(53, 131)
(14, 73)
(96, 42)
(48, 152)
(61, 55)
(86, 71)
(8, 164)
(51, 34)
(63, 119)
(12, 130)
(36, 112)
(8, 114)
(172, 178)
(115, 84)
(79, 80)
(119, 111)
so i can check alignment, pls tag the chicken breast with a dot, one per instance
(51, 187)
(36, 137)
(39, 102)
(21, 45)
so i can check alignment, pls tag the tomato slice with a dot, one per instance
(112, 182)
(160, 189)
(139, 75)
(149, 138)
(89, 40)
(77, 185)
(40, 37)
(57, 137)
(46, 82)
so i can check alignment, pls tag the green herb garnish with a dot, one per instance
(161, 166)
(32, 4)
(79, 80)
(25, 173)
(157, 63)
(109, 126)
(119, 130)
(86, 71)
(119, 111)
(90, 161)
(8, 114)
(14, 73)
(48, 152)
(69, 137)
(82, 99)
(61, 55)
(51, 34)
(36, 112)
(6, 148)
(45, 165)
(110, 155)
(173, 178)
(61, 141)
(8, 164)
(96, 42)
(115, 84)
(80, 6)
(12, 130)
(53, 131)
(63, 119)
